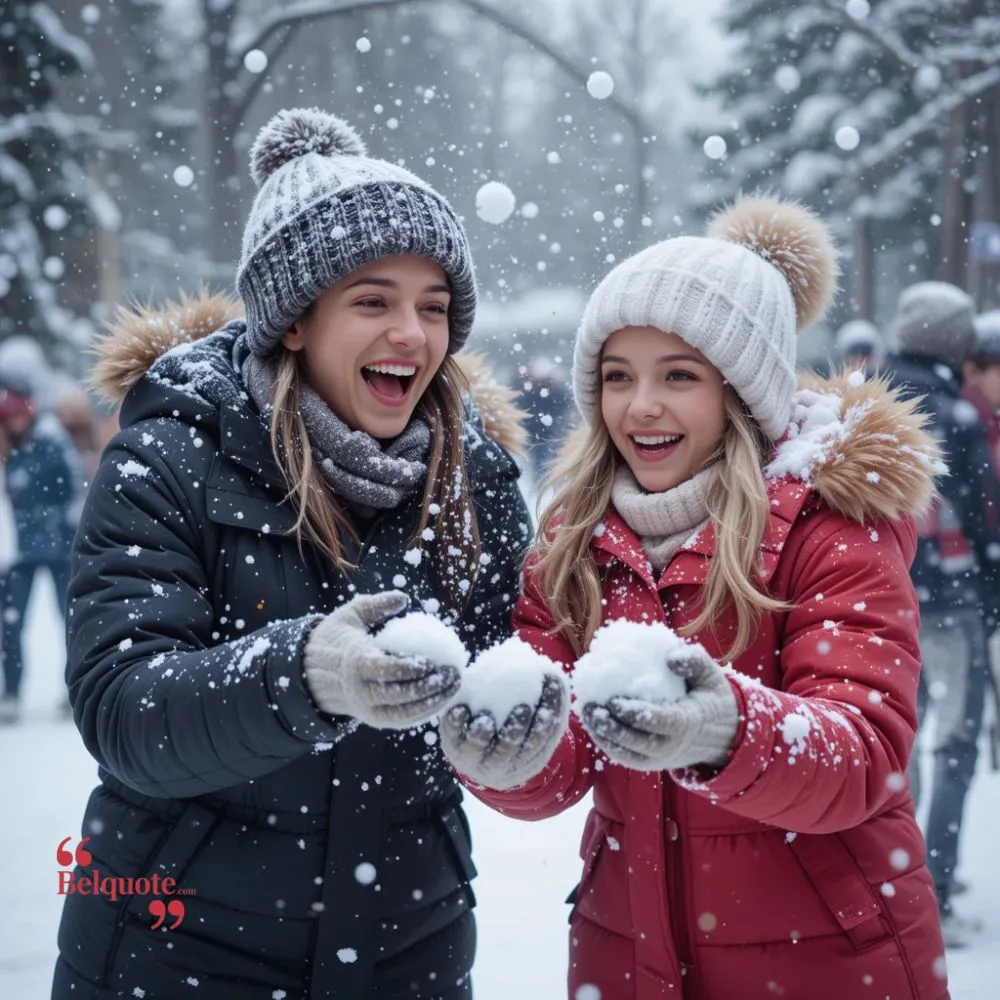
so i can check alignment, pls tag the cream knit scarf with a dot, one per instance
(663, 521)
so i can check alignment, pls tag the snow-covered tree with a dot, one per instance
(144, 87)
(851, 107)
(47, 197)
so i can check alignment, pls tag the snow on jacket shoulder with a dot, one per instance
(801, 854)
(190, 604)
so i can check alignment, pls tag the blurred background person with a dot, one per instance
(859, 345)
(956, 570)
(76, 413)
(981, 378)
(42, 480)
(8, 551)
(549, 402)
(981, 387)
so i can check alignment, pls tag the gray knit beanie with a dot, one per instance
(740, 294)
(323, 209)
(935, 319)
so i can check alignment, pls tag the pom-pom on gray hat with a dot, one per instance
(323, 209)
(765, 270)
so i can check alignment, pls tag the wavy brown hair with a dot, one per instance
(320, 513)
(738, 507)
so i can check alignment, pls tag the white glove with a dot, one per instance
(503, 754)
(348, 674)
(699, 728)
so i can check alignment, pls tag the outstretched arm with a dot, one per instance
(160, 704)
(830, 747)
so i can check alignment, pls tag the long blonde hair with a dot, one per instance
(738, 507)
(320, 514)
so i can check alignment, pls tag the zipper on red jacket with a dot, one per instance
(673, 851)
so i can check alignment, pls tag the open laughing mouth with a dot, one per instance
(655, 447)
(389, 384)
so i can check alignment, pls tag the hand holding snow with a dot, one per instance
(630, 660)
(653, 701)
(421, 636)
(508, 717)
(349, 672)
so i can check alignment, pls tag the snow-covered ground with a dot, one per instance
(526, 870)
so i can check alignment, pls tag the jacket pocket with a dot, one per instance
(460, 840)
(595, 837)
(235, 503)
(842, 887)
(170, 858)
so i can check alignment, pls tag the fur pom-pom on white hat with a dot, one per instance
(793, 239)
(765, 271)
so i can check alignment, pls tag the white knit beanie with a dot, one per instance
(324, 209)
(765, 270)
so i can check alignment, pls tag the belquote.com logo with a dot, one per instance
(115, 887)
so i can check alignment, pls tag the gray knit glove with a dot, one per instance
(508, 755)
(348, 674)
(697, 729)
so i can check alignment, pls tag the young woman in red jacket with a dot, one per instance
(754, 838)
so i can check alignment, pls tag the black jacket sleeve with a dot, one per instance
(161, 705)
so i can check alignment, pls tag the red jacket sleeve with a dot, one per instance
(569, 775)
(827, 750)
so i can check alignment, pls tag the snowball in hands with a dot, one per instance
(630, 660)
(349, 673)
(423, 637)
(504, 676)
(652, 701)
(508, 717)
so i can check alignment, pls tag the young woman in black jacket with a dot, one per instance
(284, 483)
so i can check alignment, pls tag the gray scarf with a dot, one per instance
(357, 467)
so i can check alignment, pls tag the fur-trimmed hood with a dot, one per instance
(136, 338)
(861, 446)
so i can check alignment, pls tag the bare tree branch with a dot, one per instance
(313, 10)
(251, 90)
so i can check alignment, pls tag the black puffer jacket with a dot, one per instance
(319, 853)
(971, 491)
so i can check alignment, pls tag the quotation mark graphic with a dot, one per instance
(65, 858)
(175, 908)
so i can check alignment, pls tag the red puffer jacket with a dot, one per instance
(797, 871)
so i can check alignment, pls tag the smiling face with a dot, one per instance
(374, 340)
(663, 404)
